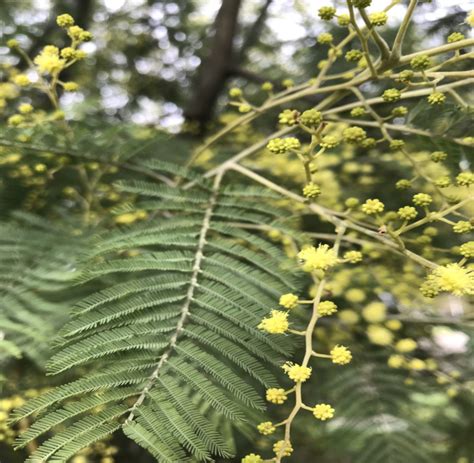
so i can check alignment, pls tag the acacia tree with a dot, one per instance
(352, 217)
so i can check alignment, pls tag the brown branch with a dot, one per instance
(214, 68)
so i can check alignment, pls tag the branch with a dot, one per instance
(214, 69)
(399, 128)
(331, 216)
(381, 44)
(362, 39)
(438, 50)
(400, 37)
(404, 96)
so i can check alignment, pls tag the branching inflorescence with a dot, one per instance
(413, 76)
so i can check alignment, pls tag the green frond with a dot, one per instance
(34, 284)
(373, 406)
(153, 443)
(70, 440)
(173, 345)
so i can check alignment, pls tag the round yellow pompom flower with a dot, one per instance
(65, 20)
(298, 373)
(422, 199)
(378, 18)
(467, 249)
(25, 108)
(252, 458)
(289, 300)
(353, 257)
(349, 317)
(373, 206)
(70, 86)
(406, 345)
(21, 80)
(454, 279)
(326, 308)
(396, 361)
(266, 428)
(436, 98)
(320, 258)
(49, 61)
(311, 190)
(379, 335)
(375, 312)
(235, 92)
(393, 325)
(416, 364)
(277, 323)
(283, 447)
(341, 355)
(276, 395)
(329, 141)
(323, 412)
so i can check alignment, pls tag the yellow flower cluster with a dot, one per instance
(467, 249)
(288, 117)
(235, 92)
(326, 13)
(283, 145)
(283, 447)
(21, 80)
(297, 373)
(354, 134)
(289, 300)
(276, 395)
(311, 118)
(407, 213)
(326, 308)
(465, 179)
(323, 412)
(311, 190)
(454, 279)
(373, 206)
(436, 98)
(353, 257)
(379, 335)
(329, 141)
(320, 258)
(266, 428)
(48, 61)
(252, 458)
(406, 345)
(378, 18)
(341, 355)
(396, 361)
(422, 199)
(130, 217)
(392, 94)
(277, 323)
(375, 312)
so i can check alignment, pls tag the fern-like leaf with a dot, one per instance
(174, 342)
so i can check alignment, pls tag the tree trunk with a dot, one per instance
(214, 69)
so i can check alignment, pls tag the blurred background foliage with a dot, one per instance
(154, 86)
